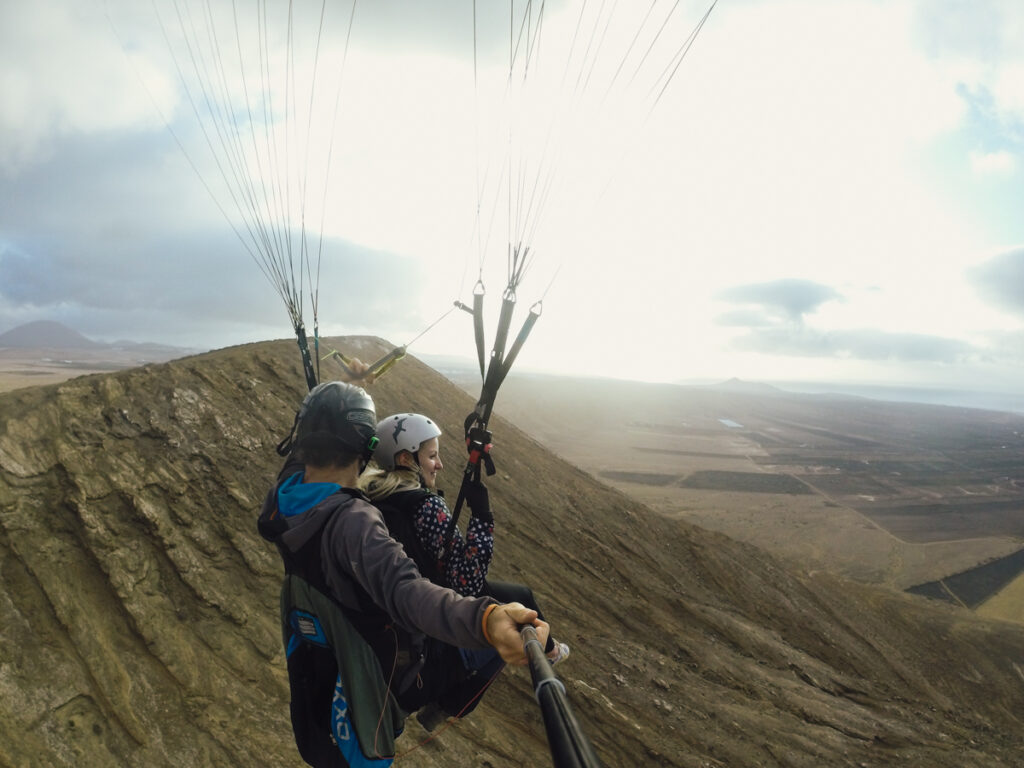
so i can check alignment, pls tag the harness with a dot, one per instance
(399, 510)
(352, 672)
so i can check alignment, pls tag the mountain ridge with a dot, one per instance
(46, 333)
(140, 605)
(50, 334)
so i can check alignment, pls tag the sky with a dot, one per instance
(808, 190)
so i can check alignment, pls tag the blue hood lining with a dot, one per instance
(295, 497)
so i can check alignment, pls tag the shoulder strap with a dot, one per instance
(394, 646)
(399, 510)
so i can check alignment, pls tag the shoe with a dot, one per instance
(431, 716)
(559, 653)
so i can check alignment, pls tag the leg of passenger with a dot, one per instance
(481, 667)
(452, 682)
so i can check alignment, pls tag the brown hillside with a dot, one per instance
(139, 605)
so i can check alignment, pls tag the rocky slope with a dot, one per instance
(139, 605)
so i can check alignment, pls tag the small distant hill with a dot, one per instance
(739, 386)
(47, 352)
(46, 333)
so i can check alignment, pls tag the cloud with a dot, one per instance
(997, 129)
(115, 232)
(789, 298)
(115, 236)
(746, 318)
(145, 290)
(1001, 280)
(1001, 163)
(861, 344)
(775, 325)
(954, 28)
(979, 43)
(61, 74)
(1009, 344)
(446, 26)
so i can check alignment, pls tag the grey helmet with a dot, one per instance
(335, 414)
(402, 432)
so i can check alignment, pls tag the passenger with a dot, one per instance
(405, 489)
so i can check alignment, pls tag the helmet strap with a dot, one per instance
(286, 445)
(368, 449)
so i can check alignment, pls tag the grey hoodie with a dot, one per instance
(356, 548)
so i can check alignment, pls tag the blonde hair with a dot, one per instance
(378, 483)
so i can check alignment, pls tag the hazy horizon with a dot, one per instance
(465, 366)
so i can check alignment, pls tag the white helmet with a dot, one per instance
(402, 432)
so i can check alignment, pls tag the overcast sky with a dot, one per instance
(823, 190)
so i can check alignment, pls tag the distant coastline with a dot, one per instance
(957, 398)
(464, 370)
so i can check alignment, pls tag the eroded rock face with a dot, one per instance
(139, 606)
(135, 582)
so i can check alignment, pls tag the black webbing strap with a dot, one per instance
(508, 304)
(316, 345)
(478, 438)
(307, 362)
(478, 322)
(506, 365)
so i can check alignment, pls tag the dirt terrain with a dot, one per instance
(34, 366)
(887, 493)
(139, 604)
(719, 473)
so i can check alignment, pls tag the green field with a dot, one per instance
(747, 482)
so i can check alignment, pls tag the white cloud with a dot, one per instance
(1000, 279)
(1001, 163)
(61, 73)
